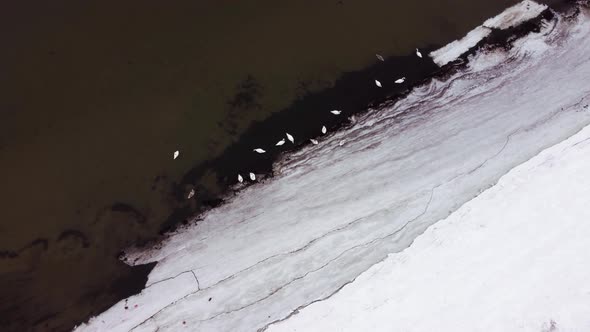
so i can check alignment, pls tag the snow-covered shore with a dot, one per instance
(335, 209)
(515, 258)
(513, 16)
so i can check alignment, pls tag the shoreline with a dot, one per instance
(355, 90)
(497, 39)
(240, 159)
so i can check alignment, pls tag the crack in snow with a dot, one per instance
(172, 303)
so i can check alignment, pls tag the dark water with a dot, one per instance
(97, 95)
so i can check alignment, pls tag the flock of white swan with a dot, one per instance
(290, 137)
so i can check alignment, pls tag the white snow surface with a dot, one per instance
(335, 209)
(515, 258)
(513, 16)
(455, 49)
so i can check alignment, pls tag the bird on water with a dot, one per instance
(290, 138)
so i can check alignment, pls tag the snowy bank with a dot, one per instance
(513, 16)
(335, 209)
(515, 258)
